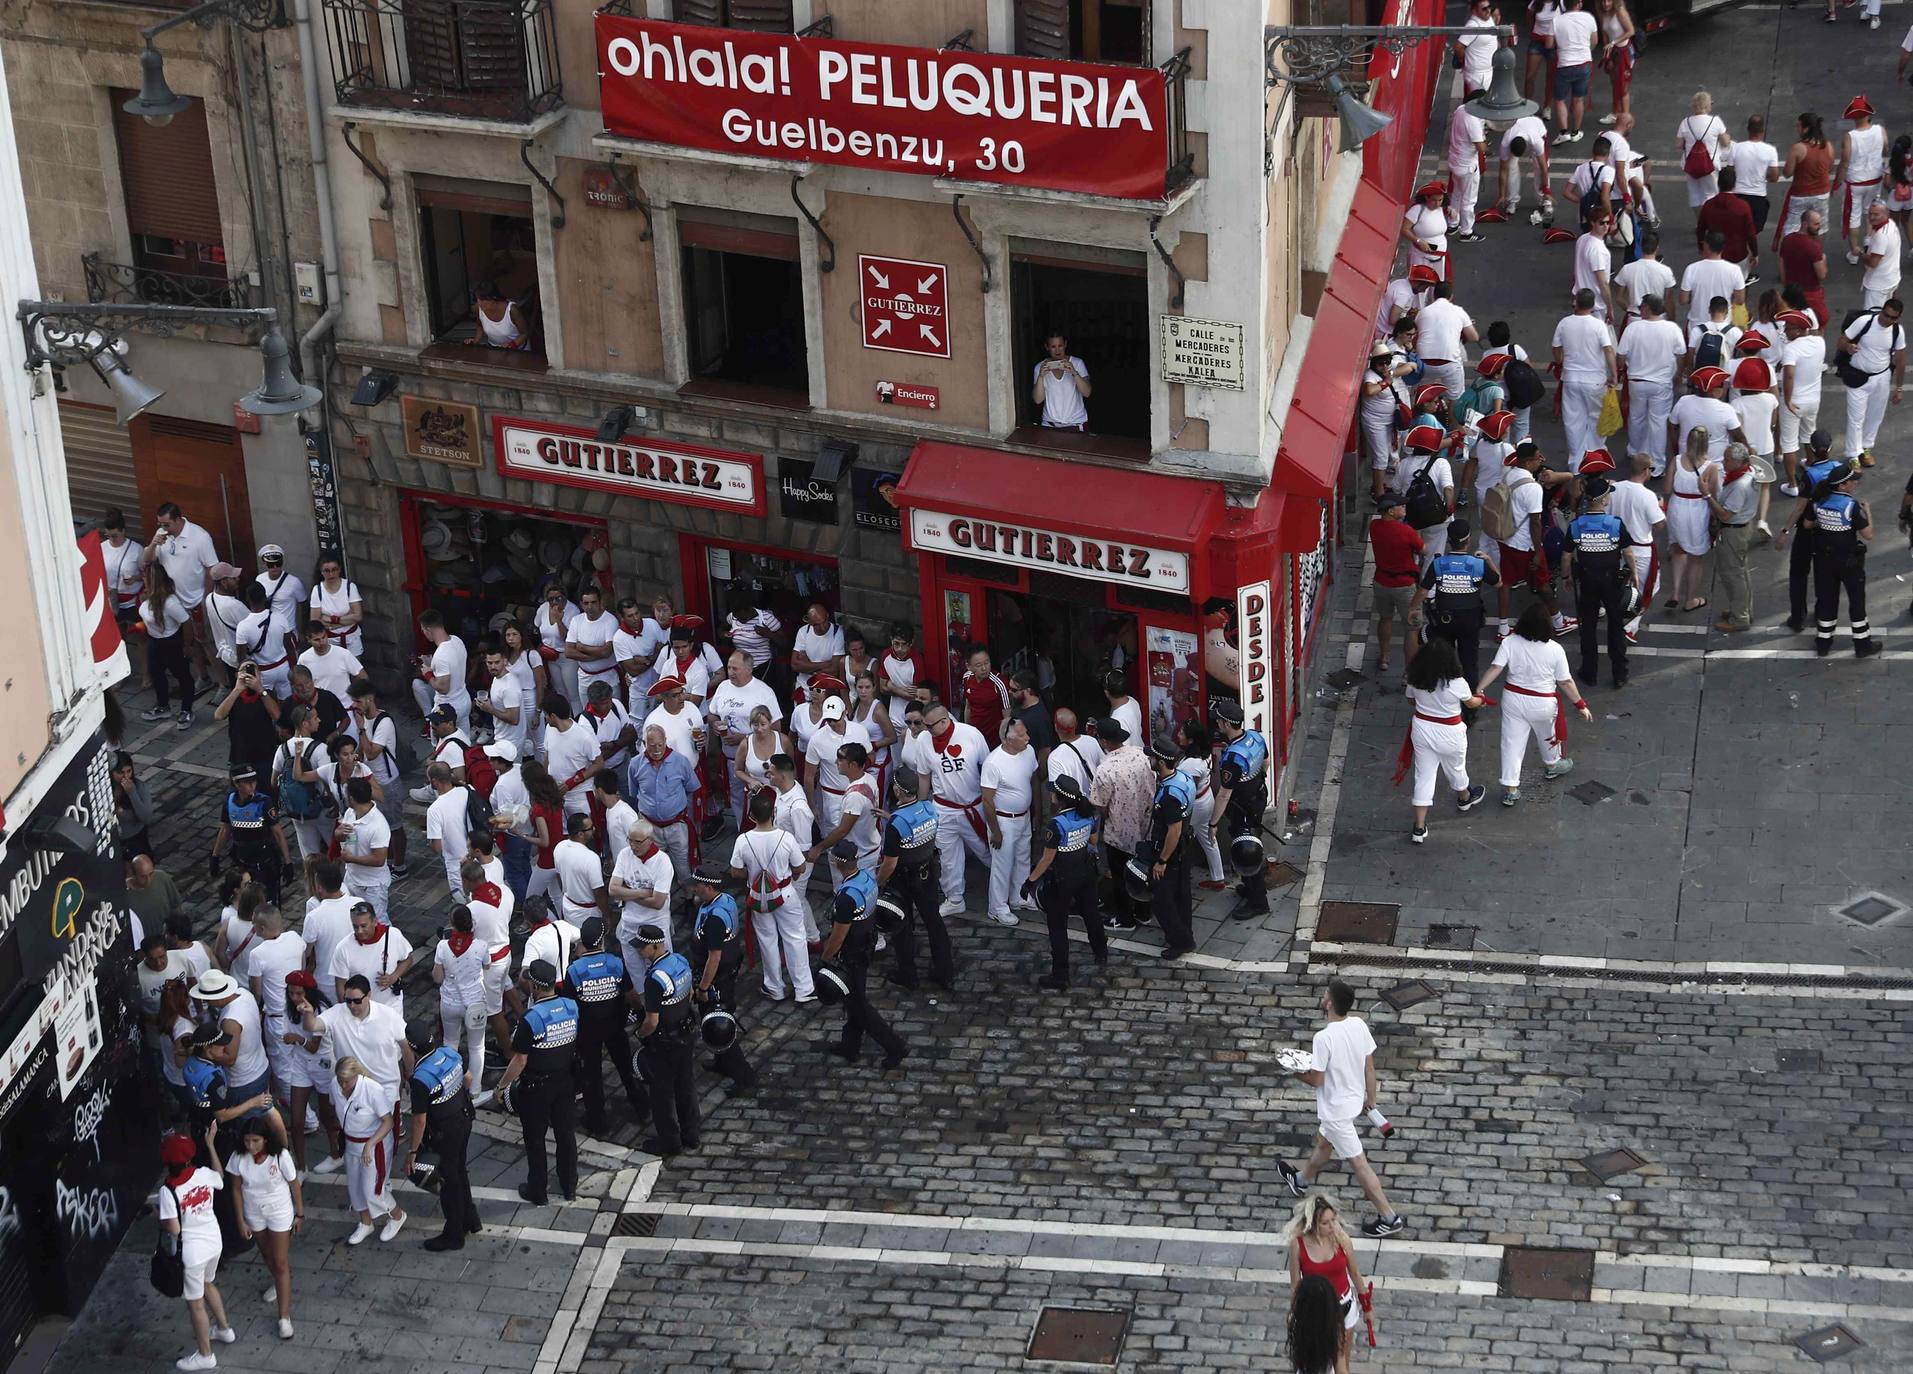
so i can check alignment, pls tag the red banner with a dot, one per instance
(1066, 126)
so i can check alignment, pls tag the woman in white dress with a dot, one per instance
(1425, 227)
(869, 712)
(1537, 672)
(1694, 477)
(763, 742)
(269, 1204)
(336, 604)
(1198, 759)
(1437, 739)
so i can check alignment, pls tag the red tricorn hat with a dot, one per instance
(1857, 107)
(1497, 425)
(1424, 438)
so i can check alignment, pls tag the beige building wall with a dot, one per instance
(26, 700)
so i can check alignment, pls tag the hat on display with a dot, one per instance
(213, 986)
(552, 551)
(1421, 274)
(833, 708)
(503, 750)
(596, 539)
(1496, 425)
(518, 539)
(435, 537)
(1753, 374)
(600, 559)
(498, 622)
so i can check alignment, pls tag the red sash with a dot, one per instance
(974, 810)
(1560, 740)
(1405, 760)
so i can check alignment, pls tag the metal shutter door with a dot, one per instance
(99, 464)
(710, 12)
(166, 174)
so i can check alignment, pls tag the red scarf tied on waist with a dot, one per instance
(1405, 759)
(1560, 740)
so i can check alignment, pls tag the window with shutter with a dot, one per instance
(709, 12)
(1042, 28)
(166, 175)
(1087, 30)
(763, 16)
(456, 46)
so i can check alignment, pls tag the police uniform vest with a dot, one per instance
(442, 1073)
(1175, 799)
(1458, 579)
(248, 820)
(1837, 519)
(553, 1027)
(670, 978)
(1069, 833)
(719, 927)
(597, 981)
(915, 827)
(1598, 540)
(862, 893)
(203, 1079)
(1811, 476)
(1244, 772)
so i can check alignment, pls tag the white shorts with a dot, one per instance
(495, 976)
(269, 1215)
(303, 1068)
(197, 1277)
(1341, 1138)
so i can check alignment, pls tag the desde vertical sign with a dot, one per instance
(1255, 630)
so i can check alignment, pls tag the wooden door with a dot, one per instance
(203, 469)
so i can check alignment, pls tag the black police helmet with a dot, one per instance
(421, 1033)
(888, 913)
(832, 983)
(1224, 708)
(1245, 854)
(719, 1029)
(1136, 880)
(591, 933)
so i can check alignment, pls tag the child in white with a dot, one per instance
(770, 860)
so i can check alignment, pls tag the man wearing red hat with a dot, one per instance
(1431, 504)
(1652, 349)
(1801, 362)
(1402, 295)
(1862, 166)
(1584, 361)
(1759, 410)
(1703, 405)
(1425, 227)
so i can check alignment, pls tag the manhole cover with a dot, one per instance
(1539, 1271)
(1362, 923)
(635, 1224)
(1872, 909)
(1591, 793)
(1799, 1061)
(1451, 937)
(1829, 1343)
(1078, 1335)
(1612, 1164)
(1405, 995)
(1344, 678)
(1281, 874)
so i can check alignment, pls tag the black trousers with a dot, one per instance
(1799, 571)
(264, 865)
(1463, 630)
(916, 892)
(546, 1104)
(599, 1031)
(732, 1063)
(1834, 570)
(665, 1057)
(1593, 595)
(1063, 897)
(1120, 902)
(861, 1019)
(451, 1138)
(1253, 890)
(166, 658)
(1171, 901)
(1758, 204)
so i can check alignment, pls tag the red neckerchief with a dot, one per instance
(1731, 475)
(488, 893)
(248, 695)
(592, 711)
(647, 853)
(538, 924)
(378, 934)
(941, 744)
(459, 941)
(684, 662)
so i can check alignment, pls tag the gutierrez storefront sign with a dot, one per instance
(1066, 126)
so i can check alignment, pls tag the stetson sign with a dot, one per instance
(1106, 560)
(681, 473)
(443, 432)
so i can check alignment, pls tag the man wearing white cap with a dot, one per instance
(823, 779)
(287, 592)
(225, 610)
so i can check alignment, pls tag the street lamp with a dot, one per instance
(1315, 55)
(157, 102)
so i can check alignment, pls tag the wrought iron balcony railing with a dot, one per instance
(119, 282)
(477, 59)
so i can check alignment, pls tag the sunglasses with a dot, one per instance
(354, 1001)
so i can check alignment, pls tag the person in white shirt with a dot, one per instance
(461, 966)
(640, 884)
(125, 567)
(1467, 151)
(729, 710)
(1008, 795)
(336, 603)
(692, 663)
(361, 1027)
(441, 679)
(224, 610)
(446, 822)
(1061, 385)
(1875, 346)
(1476, 51)
(1443, 329)
(572, 753)
(1702, 127)
(1342, 1072)
(364, 838)
(186, 552)
(1631, 168)
(818, 648)
(1709, 276)
(1594, 264)
(1861, 167)
(1438, 739)
(1424, 228)
(1881, 255)
(1423, 451)
(503, 702)
(948, 760)
(1537, 669)
(588, 642)
(1584, 353)
(750, 627)
(274, 952)
(267, 1197)
(222, 1002)
(378, 952)
(823, 779)
(580, 872)
(795, 818)
(611, 725)
(185, 1210)
(295, 760)
(1646, 276)
(554, 628)
(635, 644)
(1597, 174)
(260, 639)
(1488, 458)
(1759, 410)
(366, 1116)
(1756, 163)
(772, 865)
(288, 593)
(1575, 35)
(333, 667)
(1801, 363)
(328, 916)
(1651, 349)
(1527, 137)
(683, 727)
(1635, 505)
(1703, 406)
(1402, 295)
(1075, 755)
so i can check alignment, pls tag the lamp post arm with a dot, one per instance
(68, 333)
(255, 16)
(1307, 54)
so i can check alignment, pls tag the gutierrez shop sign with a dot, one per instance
(1066, 126)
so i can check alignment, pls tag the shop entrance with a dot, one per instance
(1068, 641)
(718, 577)
(474, 564)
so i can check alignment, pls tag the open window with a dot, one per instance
(1087, 30)
(744, 307)
(1099, 303)
(478, 255)
(763, 16)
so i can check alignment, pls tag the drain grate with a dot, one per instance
(1829, 1343)
(1612, 1163)
(1281, 873)
(1799, 1061)
(1591, 793)
(1078, 1335)
(1872, 909)
(1451, 937)
(1361, 923)
(1344, 678)
(1546, 1272)
(1405, 995)
(635, 1224)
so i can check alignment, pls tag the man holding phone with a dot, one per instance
(1062, 385)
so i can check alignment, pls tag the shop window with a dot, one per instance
(1087, 30)
(744, 310)
(763, 16)
(1101, 309)
(473, 244)
(474, 566)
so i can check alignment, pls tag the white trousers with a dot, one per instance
(460, 701)
(1434, 542)
(1642, 558)
(955, 837)
(1378, 440)
(1200, 815)
(828, 807)
(1648, 404)
(451, 1026)
(1439, 749)
(1009, 863)
(1461, 200)
(738, 797)
(1581, 416)
(365, 892)
(1452, 375)
(1794, 429)
(1862, 197)
(314, 836)
(1873, 297)
(1524, 717)
(1514, 165)
(369, 1186)
(633, 917)
(782, 947)
(1866, 407)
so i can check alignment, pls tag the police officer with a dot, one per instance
(442, 1105)
(1603, 577)
(1843, 526)
(1818, 464)
(601, 984)
(1065, 878)
(853, 937)
(249, 827)
(664, 1045)
(908, 873)
(1242, 795)
(1452, 584)
(543, 1047)
(1169, 895)
(717, 937)
(207, 1084)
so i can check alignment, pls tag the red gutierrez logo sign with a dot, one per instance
(679, 473)
(1107, 560)
(1067, 126)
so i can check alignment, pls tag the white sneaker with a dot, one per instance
(196, 1361)
(1607, 119)
(360, 1234)
(312, 1121)
(271, 1294)
(1007, 918)
(285, 1328)
(225, 1335)
(953, 907)
(394, 1223)
(331, 1165)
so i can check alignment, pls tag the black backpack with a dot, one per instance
(1711, 348)
(1523, 384)
(1426, 505)
(478, 811)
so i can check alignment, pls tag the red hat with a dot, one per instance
(667, 684)
(1424, 438)
(1558, 235)
(826, 682)
(1494, 214)
(1753, 341)
(1429, 393)
(1795, 319)
(689, 624)
(1421, 274)
(1497, 425)
(1491, 365)
(1857, 107)
(1753, 374)
(1596, 460)
(1705, 379)
(176, 1151)
(1431, 188)
(299, 978)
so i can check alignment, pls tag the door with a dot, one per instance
(1064, 632)
(202, 468)
(99, 466)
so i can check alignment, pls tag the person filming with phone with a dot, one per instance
(1062, 385)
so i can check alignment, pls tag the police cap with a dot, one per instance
(904, 777)
(844, 850)
(651, 933)
(419, 1033)
(1820, 440)
(542, 973)
(711, 874)
(1596, 488)
(1165, 749)
(1458, 533)
(1065, 786)
(1227, 708)
(212, 1034)
(591, 932)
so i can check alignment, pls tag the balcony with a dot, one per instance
(478, 60)
(121, 283)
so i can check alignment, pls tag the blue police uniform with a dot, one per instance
(853, 907)
(719, 929)
(1069, 886)
(439, 1095)
(547, 1035)
(910, 837)
(1601, 571)
(1453, 583)
(1806, 542)
(1243, 772)
(252, 823)
(1170, 899)
(665, 1055)
(1839, 561)
(597, 980)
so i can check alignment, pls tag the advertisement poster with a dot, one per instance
(875, 497)
(1175, 680)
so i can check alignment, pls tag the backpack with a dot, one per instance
(402, 752)
(1591, 198)
(481, 774)
(1710, 349)
(1426, 505)
(478, 810)
(1523, 384)
(1497, 509)
(299, 800)
(1699, 161)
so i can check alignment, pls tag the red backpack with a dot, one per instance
(481, 774)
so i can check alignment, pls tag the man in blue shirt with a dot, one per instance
(661, 785)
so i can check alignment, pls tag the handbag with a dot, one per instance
(1611, 418)
(168, 1269)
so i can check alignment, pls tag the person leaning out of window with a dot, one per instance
(1061, 386)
